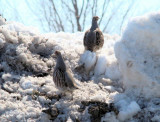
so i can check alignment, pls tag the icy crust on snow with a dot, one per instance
(138, 54)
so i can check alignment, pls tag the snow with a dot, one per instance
(128, 110)
(124, 72)
(100, 65)
(110, 117)
(89, 60)
(2, 21)
(20, 28)
(138, 55)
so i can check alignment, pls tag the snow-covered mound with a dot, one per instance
(138, 54)
(27, 89)
(26, 66)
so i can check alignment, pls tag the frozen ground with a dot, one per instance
(122, 72)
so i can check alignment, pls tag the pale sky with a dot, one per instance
(27, 18)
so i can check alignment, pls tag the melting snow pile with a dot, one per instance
(26, 66)
(138, 54)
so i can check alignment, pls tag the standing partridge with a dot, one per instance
(61, 76)
(93, 39)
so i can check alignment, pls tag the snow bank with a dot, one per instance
(27, 61)
(138, 55)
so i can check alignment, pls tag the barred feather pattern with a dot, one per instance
(59, 78)
(62, 78)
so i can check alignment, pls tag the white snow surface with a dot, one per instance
(138, 54)
(128, 111)
(121, 72)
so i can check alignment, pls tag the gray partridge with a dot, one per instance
(61, 76)
(93, 39)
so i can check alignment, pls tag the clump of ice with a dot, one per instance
(10, 36)
(2, 21)
(109, 117)
(127, 111)
(26, 84)
(89, 60)
(138, 55)
(100, 67)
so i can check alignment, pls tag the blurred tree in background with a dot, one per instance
(71, 15)
(75, 15)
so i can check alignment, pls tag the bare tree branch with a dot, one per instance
(126, 13)
(104, 10)
(105, 27)
(74, 3)
(57, 14)
(75, 15)
(95, 12)
(67, 6)
(69, 13)
(81, 9)
(92, 9)
(85, 12)
(112, 16)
